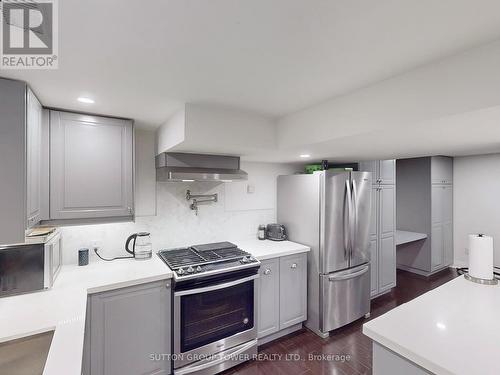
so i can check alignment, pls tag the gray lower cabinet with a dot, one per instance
(282, 293)
(91, 166)
(293, 290)
(125, 327)
(269, 297)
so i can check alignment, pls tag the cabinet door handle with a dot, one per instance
(294, 265)
(267, 271)
(167, 285)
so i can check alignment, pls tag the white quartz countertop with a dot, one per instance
(267, 249)
(403, 236)
(63, 307)
(453, 329)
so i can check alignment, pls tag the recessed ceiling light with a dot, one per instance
(187, 180)
(441, 326)
(305, 156)
(85, 100)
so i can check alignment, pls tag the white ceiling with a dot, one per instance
(143, 59)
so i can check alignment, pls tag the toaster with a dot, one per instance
(276, 232)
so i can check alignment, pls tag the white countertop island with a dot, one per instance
(62, 309)
(453, 329)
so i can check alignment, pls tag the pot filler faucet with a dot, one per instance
(205, 198)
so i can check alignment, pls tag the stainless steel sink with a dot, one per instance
(26, 355)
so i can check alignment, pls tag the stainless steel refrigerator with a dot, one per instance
(330, 212)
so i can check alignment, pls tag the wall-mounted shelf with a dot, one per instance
(403, 236)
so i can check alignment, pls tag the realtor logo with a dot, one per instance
(29, 34)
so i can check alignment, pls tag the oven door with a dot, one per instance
(213, 318)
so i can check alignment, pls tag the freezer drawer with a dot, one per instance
(345, 297)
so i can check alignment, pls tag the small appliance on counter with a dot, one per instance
(30, 266)
(142, 247)
(276, 232)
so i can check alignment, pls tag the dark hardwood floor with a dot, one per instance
(346, 341)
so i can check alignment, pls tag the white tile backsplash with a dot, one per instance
(176, 225)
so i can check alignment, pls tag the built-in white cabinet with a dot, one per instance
(442, 226)
(383, 171)
(441, 170)
(124, 327)
(282, 289)
(91, 166)
(383, 243)
(425, 205)
(382, 225)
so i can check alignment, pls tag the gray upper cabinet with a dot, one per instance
(33, 158)
(441, 170)
(124, 327)
(383, 171)
(91, 166)
(387, 171)
(20, 160)
(269, 298)
(293, 292)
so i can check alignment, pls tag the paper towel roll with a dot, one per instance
(481, 256)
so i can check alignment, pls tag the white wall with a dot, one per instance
(236, 215)
(476, 202)
(145, 173)
(172, 132)
(204, 128)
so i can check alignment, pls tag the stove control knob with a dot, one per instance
(190, 269)
(180, 271)
(198, 269)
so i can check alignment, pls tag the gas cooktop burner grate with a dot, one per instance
(201, 254)
(181, 257)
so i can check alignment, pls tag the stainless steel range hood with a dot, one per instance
(177, 166)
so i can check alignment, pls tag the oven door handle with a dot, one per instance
(215, 287)
(222, 357)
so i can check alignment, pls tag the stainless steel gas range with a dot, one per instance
(215, 307)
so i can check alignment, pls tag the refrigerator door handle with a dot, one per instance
(347, 276)
(355, 215)
(347, 228)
